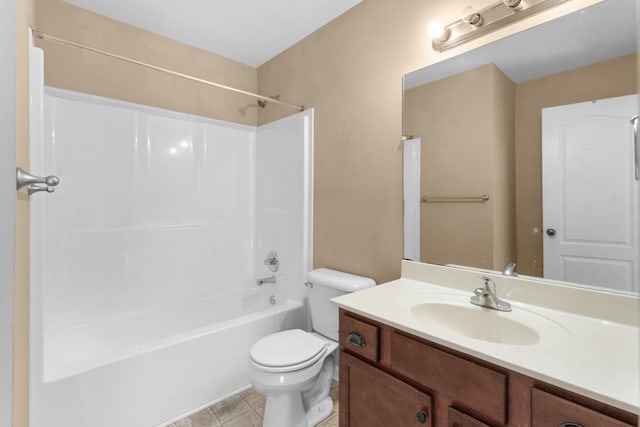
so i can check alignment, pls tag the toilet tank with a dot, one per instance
(327, 284)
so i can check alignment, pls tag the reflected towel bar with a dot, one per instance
(457, 199)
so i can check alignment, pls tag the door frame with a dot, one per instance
(8, 15)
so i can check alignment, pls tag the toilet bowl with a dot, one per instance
(294, 368)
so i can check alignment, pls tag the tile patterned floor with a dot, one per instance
(245, 410)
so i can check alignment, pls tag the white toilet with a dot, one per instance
(294, 368)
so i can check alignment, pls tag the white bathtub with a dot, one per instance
(153, 367)
(121, 334)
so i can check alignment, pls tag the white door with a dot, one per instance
(590, 195)
(7, 202)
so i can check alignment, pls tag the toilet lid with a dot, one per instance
(294, 347)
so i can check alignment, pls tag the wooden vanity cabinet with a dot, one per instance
(389, 378)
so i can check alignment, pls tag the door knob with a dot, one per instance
(551, 232)
(35, 183)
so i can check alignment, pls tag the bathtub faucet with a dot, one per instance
(270, 279)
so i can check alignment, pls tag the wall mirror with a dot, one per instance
(475, 191)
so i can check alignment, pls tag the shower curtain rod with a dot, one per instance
(64, 42)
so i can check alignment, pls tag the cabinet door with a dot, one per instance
(459, 419)
(371, 398)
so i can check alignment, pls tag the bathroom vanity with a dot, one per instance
(415, 352)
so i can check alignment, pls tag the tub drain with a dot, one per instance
(272, 299)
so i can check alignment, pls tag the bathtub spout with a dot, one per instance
(270, 279)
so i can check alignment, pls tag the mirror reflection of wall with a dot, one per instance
(467, 123)
(481, 134)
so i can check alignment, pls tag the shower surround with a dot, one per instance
(145, 259)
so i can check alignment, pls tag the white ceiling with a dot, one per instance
(247, 31)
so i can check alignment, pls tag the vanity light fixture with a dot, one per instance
(475, 23)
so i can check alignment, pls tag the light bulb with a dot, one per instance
(438, 32)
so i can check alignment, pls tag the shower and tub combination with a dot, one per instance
(146, 258)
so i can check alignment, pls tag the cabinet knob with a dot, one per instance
(570, 425)
(422, 417)
(356, 339)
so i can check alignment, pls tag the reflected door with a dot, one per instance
(590, 196)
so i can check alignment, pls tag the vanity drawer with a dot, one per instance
(548, 410)
(359, 337)
(468, 384)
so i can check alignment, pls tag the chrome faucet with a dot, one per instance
(510, 270)
(486, 297)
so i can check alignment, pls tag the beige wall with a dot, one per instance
(466, 125)
(503, 169)
(616, 77)
(72, 69)
(350, 71)
(21, 285)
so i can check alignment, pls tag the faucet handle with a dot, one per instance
(272, 262)
(489, 285)
(479, 292)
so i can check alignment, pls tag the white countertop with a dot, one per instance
(591, 350)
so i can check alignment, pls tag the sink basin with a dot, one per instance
(455, 314)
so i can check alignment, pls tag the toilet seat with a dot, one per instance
(287, 351)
